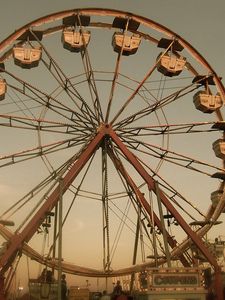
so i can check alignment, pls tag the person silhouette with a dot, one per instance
(117, 291)
(63, 287)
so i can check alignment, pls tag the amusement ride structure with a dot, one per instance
(111, 124)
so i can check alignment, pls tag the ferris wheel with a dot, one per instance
(112, 144)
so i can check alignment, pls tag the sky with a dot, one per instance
(200, 22)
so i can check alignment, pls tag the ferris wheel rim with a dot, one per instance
(59, 15)
(52, 17)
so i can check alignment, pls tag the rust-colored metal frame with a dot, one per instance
(116, 13)
(17, 240)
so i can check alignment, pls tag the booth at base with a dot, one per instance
(172, 284)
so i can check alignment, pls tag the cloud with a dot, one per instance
(6, 190)
(77, 226)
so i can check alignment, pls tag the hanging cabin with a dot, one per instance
(206, 102)
(219, 148)
(216, 197)
(44, 287)
(128, 44)
(26, 57)
(170, 65)
(75, 41)
(3, 89)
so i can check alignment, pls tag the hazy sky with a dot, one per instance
(200, 22)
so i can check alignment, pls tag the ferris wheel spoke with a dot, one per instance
(159, 104)
(72, 95)
(127, 102)
(53, 176)
(75, 191)
(154, 130)
(140, 85)
(45, 100)
(41, 150)
(141, 113)
(116, 73)
(42, 99)
(173, 194)
(66, 83)
(25, 123)
(170, 156)
(47, 185)
(89, 73)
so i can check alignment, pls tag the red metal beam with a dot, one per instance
(16, 242)
(141, 199)
(194, 237)
(151, 185)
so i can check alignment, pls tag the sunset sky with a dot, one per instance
(200, 22)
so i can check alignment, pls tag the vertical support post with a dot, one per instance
(55, 235)
(105, 210)
(163, 225)
(141, 234)
(60, 238)
(152, 218)
(2, 291)
(218, 285)
(162, 197)
(135, 253)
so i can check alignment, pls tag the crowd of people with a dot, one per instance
(117, 293)
(47, 277)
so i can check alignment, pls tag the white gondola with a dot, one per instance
(216, 197)
(130, 44)
(43, 290)
(171, 283)
(219, 247)
(3, 89)
(75, 41)
(219, 148)
(206, 102)
(170, 65)
(197, 254)
(26, 57)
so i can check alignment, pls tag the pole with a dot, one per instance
(163, 225)
(60, 238)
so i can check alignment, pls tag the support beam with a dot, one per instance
(2, 291)
(105, 209)
(16, 242)
(194, 237)
(168, 258)
(60, 238)
(144, 203)
(151, 184)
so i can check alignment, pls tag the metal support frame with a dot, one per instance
(17, 240)
(194, 237)
(60, 237)
(143, 202)
(105, 209)
(135, 253)
(163, 225)
(151, 184)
